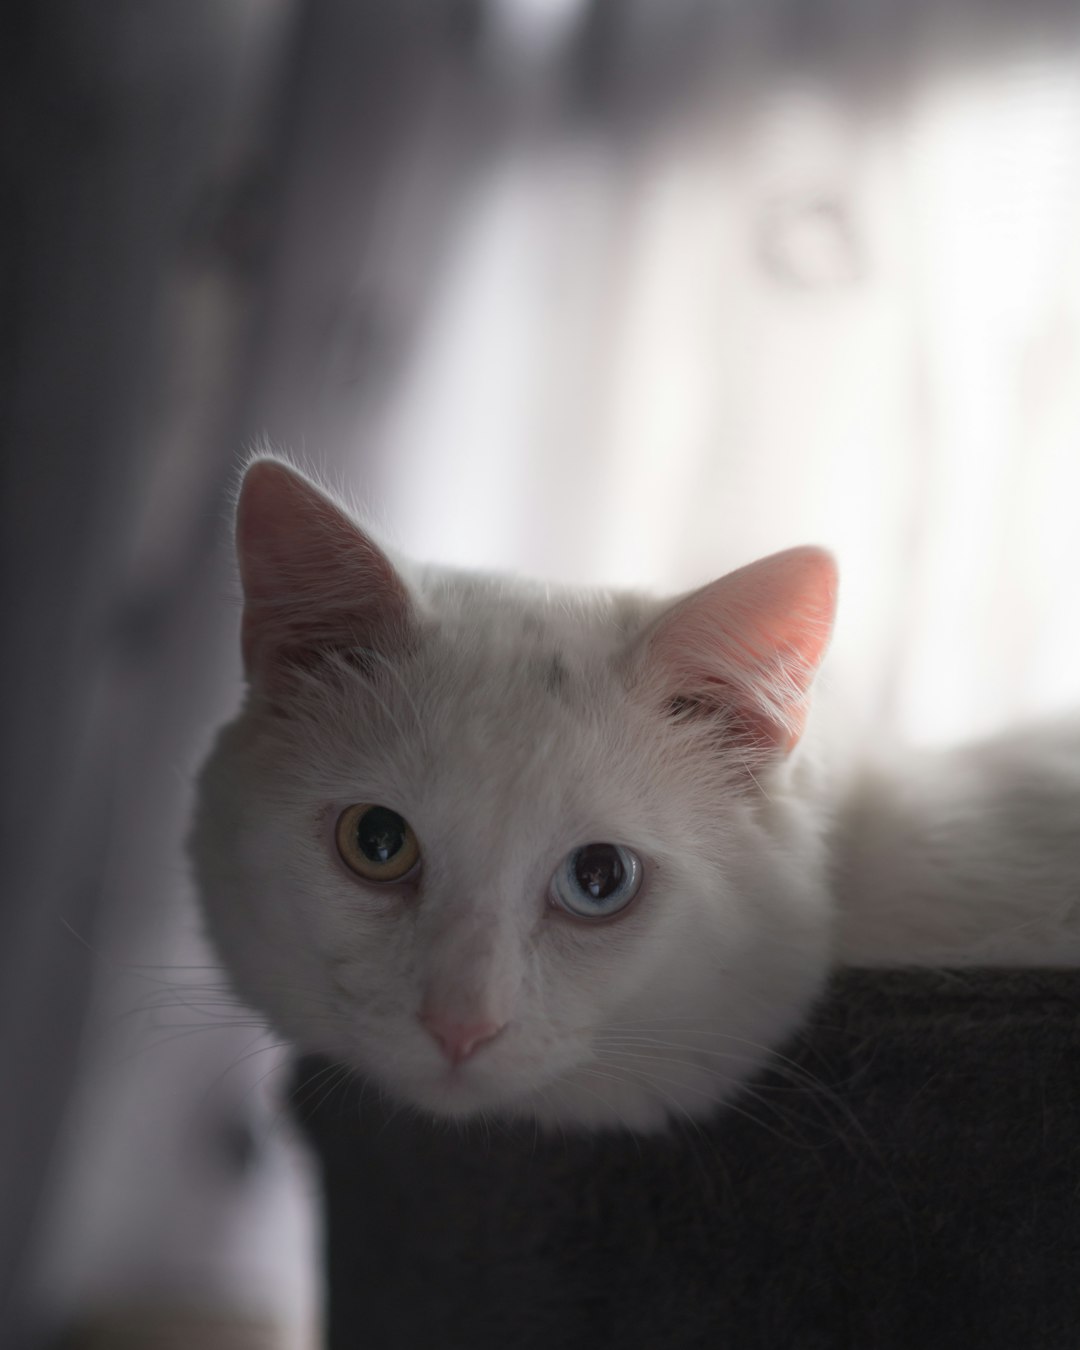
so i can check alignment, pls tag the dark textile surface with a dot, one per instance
(916, 1183)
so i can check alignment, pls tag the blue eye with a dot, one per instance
(596, 881)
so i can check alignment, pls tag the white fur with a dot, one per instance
(964, 857)
(664, 1011)
(661, 1011)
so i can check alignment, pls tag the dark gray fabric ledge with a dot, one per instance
(925, 1193)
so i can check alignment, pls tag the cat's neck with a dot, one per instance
(963, 857)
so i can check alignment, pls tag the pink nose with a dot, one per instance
(459, 1040)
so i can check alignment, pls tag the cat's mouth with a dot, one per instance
(459, 1091)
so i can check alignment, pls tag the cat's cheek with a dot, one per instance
(594, 959)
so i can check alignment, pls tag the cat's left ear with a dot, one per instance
(748, 647)
(313, 581)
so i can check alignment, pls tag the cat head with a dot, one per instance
(507, 848)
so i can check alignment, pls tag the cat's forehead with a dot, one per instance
(501, 685)
(525, 738)
(504, 614)
(509, 683)
(524, 653)
(506, 697)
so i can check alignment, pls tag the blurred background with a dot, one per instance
(609, 291)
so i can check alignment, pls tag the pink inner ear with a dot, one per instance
(754, 640)
(311, 577)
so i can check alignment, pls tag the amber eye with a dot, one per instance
(376, 843)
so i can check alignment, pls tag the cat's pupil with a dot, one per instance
(380, 834)
(598, 870)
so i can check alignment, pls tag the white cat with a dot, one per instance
(568, 856)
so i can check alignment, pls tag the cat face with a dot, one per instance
(510, 853)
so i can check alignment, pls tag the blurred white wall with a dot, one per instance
(649, 359)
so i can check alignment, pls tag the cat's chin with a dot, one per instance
(574, 1100)
(460, 1094)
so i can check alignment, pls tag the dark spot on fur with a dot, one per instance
(556, 676)
(360, 659)
(682, 706)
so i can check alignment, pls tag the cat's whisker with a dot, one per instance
(654, 1080)
(338, 1073)
(801, 1078)
(766, 1052)
(672, 1102)
(216, 1011)
(742, 1089)
(282, 1048)
(817, 1091)
(737, 1057)
(183, 1034)
(140, 970)
(591, 1071)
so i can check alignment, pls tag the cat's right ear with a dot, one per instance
(313, 581)
(748, 647)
